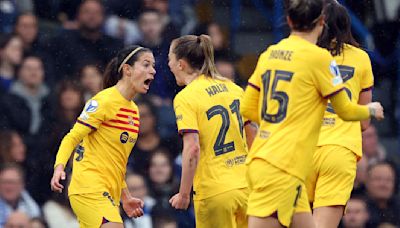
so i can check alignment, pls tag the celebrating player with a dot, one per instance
(287, 94)
(214, 140)
(339, 146)
(103, 138)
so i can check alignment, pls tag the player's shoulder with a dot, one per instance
(104, 97)
(360, 53)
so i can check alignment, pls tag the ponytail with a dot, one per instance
(209, 67)
(111, 74)
(198, 51)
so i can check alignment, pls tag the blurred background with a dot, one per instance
(52, 56)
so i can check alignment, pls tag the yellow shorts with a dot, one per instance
(227, 209)
(332, 178)
(94, 209)
(274, 192)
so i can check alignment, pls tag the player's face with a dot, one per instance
(143, 72)
(174, 66)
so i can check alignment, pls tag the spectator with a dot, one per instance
(28, 97)
(356, 213)
(361, 176)
(13, 196)
(91, 79)
(151, 27)
(149, 139)
(12, 148)
(163, 184)
(372, 149)
(38, 223)
(219, 39)
(27, 28)
(87, 44)
(9, 10)
(383, 206)
(138, 188)
(18, 219)
(10, 58)
(169, 30)
(164, 218)
(28, 109)
(226, 68)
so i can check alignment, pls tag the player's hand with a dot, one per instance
(58, 174)
(376, 110)
(180, 201)
(133, 207)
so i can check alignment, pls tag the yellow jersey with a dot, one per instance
(294, 79)
(356, 71)
(99, 163)
(211, 107)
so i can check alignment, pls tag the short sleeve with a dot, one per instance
(186, 117)
(93, 113)
(327, 75)
(367, 80)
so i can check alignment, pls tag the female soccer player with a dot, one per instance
(214, 142)
(287, 95)
(102, 139)
(339, 146)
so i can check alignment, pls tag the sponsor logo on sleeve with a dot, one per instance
(92, 106)
(337, 79)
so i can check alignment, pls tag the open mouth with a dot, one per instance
(147, 82)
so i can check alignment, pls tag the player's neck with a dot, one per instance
(311, 37)
(191, 77)
(125, 90)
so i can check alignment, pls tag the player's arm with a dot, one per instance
(190, 159)
(249, 103)
(68, 144)
(349, 111)
(251, 132)
(133, 207)
(365, 98)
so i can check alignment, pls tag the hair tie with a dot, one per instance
(198, 40)
(128, 57)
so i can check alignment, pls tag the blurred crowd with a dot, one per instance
(52, 56)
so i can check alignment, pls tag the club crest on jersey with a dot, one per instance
(124, 137)
(337, 79)
(92, 106)
(130, 121)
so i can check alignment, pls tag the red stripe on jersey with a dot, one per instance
(128, 110)
(124, 122)
(121, 128)
(126, 116)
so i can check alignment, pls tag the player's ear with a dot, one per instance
(127, 70)
(182, 64)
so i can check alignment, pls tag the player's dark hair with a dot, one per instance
(337, 31)
(112, 74)
(304, 14)
(198, 51)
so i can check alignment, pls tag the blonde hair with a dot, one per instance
(198, 51)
